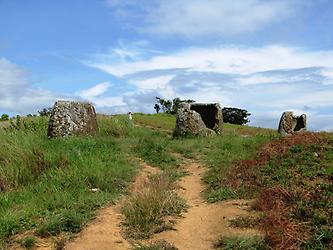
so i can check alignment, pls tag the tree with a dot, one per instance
(45, 111)
(175, 104)
(157, 108)
(168, 106)
(235, 116)
(4, 117)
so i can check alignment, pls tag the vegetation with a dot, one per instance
(169, 106)
(292, 178)
(159, 245)
(45, 111)
(4, 117)
(235, 116)
(146, 210)
(28, 242)
(45, 183)
(250, 243)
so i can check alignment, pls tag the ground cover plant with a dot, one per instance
(292, 179)
(146, 211)
(45, 184)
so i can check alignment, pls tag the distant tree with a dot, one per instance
(157, 108)
(45, 111)
(235, 116)
(4, 117)
(175, 104)
(168, 106)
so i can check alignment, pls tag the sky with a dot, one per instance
(265, 56)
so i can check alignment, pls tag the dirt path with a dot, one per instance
(203, 223)
(199, 227)
(105, 231)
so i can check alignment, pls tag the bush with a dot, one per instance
(235, 116)
(4, 117)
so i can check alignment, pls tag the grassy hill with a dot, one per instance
(46, 185)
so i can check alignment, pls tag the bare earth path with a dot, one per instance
(200, 226)
(203, 223)
(104, 233)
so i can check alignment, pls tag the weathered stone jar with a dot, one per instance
(290, 124)
(198, 119)
(72, 118)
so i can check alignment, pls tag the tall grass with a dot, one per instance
(45, 183)
(145, 211)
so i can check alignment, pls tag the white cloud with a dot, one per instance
(95, 91)
(231, 60)
(159, 82)
(17, 95)
(193, 18)
(197, 18)
(328, 74)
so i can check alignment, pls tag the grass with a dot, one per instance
(28, 242)
(160, 121)
(239, 243)
(244, 222)
(45, 184)
(146, 211)
(292, 180)
(159, 245)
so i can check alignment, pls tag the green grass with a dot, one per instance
(45, 183)
(145, 211)
(159, 121)
(28, 242)
(159, 245)
(238, 243)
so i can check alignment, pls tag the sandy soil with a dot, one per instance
(203, 223)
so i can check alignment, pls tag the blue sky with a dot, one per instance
(265, 56)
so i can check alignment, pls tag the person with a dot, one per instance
(130, 116)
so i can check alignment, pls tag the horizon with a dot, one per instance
(263, 56)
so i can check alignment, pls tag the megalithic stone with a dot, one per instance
(72, 118)
(198, 119)
(290, 124)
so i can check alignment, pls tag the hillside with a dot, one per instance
(50, 189)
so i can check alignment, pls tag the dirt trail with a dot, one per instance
(199, 227)
(203, 223)
(105, 231)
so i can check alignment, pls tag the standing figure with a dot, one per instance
(130, 116)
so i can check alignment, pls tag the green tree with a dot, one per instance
(45, 111)
(175, 104)
(235, 115)
(168, 106)
(4, 117)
